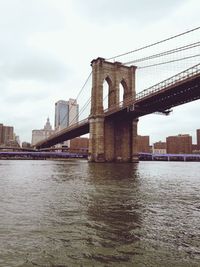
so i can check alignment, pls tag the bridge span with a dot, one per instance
(179, 89)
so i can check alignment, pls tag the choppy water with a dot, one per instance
(71, 213)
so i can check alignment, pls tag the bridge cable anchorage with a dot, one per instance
(165, 53)
(170, 61)
(80, 91)
(153, 44)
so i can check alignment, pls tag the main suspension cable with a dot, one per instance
(153, 44)
(165, 53)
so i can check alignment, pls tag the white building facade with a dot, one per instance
(39, 135)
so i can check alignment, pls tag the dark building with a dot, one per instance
(143, 143)
(180, 144)
(198, 139)
(195, 148)
(26, 145)
(6, 134)
(1, 133)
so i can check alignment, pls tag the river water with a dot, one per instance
(72, 213)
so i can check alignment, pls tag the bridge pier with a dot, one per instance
(111, 139)
(96, 140)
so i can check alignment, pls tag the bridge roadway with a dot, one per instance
(177, 90)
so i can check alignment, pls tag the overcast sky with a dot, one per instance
(47, 45)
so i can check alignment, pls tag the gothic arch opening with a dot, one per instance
(123, 89)
(121, 93)
(107, 84)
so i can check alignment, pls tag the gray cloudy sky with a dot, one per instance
(47, 45)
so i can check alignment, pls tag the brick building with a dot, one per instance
(1, 133)
(79, 144)
(160, 148)
(6, 134)
(198, 139)
(143, 143)
(180, 144)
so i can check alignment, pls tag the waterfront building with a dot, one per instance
(180, 144)
(195, 149)
(143, 143)
(39, 135)
(79, 144)
(1, 133)
(26, 145)
(6, 134)
(198, 139)
(159, 148)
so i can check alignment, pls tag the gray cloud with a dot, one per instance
(37, 68)
(104, 11)
(46, 47)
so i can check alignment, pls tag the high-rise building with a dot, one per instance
(8, 134)
(73, 111)
(143, 143)
(61, 114)
(39, 135)
(180, 144)
(66, 113)
(198, 139)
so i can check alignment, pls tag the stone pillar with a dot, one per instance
(123, 134)
(110, 139)
(135, 157)
(96, 140)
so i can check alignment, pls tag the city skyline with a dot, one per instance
(48, 59)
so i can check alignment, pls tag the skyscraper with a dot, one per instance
(66, 113)
(73, 111)
(8, 134)
(61, 114)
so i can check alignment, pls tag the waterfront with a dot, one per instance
(71, 213)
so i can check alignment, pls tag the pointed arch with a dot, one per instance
(107, 85)
(124, 85)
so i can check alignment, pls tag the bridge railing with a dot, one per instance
(155, 88)
(170, 81)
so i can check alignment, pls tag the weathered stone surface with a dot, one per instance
(111, 140)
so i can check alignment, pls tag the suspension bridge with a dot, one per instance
(150, 79)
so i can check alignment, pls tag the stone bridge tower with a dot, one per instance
(111, 140)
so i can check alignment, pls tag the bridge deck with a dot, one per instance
(179, 89)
